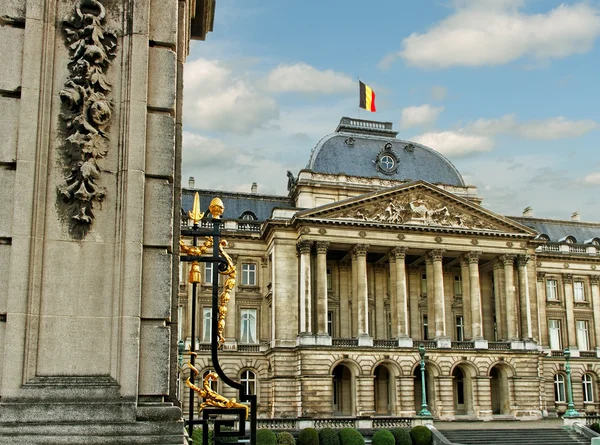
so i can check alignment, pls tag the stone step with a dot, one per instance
(515, 437)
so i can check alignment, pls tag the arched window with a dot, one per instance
(248, 216)
(588, 388)
(248, 379)
(559, 388)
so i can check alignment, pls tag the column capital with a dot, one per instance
(541, 276)
(343, 265)
(304, 246)
(399, 252)
(264, 261)
(522, 260)
(568, 278)
(322, 246)
(507, 260)
(595, 279)
(497, 263)
(436, 254)
(473, 256)
(360, 250)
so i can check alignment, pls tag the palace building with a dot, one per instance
(378, 248)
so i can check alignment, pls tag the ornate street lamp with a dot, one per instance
(424, 411)
(180, 351)
(571, 411)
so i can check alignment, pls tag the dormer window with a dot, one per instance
(248, 216)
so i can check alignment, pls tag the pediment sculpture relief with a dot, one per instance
(418, 208)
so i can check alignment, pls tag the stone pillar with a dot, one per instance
(482, 397)
(354, 305)
(526, 332)
(322, 247)
(305, 295)
(466, 296)
(475, 291)
(438, 291)
(345, 302)
(509, 288)
(405, 391)
(567, 280)
(595, 285)
(380, 330)
(401, 308)
(265, 315)
(542, 321)
(430, 296)
(499, 299)
(415, 316)
(360, 251)
(231, 324)
(445, 397)
(393, 294)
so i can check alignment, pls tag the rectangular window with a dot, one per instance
(329, 281)
(559, 388)
(457, 285)
(588, 388)
(554, 334)
(579, 291)
(248, 326)
(249, 274)
(206, 324)
(583, 339)
(330, 323)
(423, 284)
(425, 330)
(208, 273)
(551, 291)
(460, 328)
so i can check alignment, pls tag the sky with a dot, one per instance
(507, 90)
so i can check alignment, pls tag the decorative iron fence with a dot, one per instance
(344, 342)
(462, 345)
(498, 346)
(384, 343)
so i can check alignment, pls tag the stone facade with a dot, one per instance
(91, 95)
(337, 290)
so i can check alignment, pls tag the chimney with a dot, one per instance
(528, 212)
(254, 189)
(191, 182)
(575, 216)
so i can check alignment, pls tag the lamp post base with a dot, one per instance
(424, 413)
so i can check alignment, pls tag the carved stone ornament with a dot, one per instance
(438, 239)
(87, 111)
(322, 231)
(362, 234)
(416, 208)
(322, 246)
(595, 280)
(360, 250)
(541, 276)
(401, 236)
(304, 246)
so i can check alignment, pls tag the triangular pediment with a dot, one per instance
(415, 204)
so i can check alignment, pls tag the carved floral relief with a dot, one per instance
(87, 111)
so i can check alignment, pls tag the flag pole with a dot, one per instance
(358, 77)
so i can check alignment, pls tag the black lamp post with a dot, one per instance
(424, 411)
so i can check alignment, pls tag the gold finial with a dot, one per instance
(195, 214)
(216, 208)
(195, 276)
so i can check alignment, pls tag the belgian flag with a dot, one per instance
(367, 97)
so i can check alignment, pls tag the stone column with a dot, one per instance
(322, 247)
(466, 296)
(354, 305)
(393, 294)
(499, 298)
(360, 251)
(438, 292)
(482, 403)
(401, 297)
(569, 308)
(595, 285)
(345, 302)
(542, 321)
(430, 296)
(509, 288)
(304, 248)
(231, 324)
(415, 320)
(522, 261)
(475, 291)
(380, 330)
(405, 389)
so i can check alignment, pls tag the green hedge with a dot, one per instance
(595, 427)
(266, 437)
(402, 436)
(285, 438)
(383, 437)
(308, 436)
(350, 436)
(421, 435)
(328, 436)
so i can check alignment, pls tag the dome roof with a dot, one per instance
(371, 149)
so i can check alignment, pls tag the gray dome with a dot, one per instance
(368, 148)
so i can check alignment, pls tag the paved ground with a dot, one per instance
(499, 424)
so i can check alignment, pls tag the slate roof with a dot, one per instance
(334, 155)
(237, 203)
(557, 230)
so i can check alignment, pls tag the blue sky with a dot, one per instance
(508, 90)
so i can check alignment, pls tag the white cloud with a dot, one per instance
(544, 129)
(490, 32)
(419, 115)
(592, 178)
(304, 78)
(439, 92)
(218, 99)
(455, 143)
